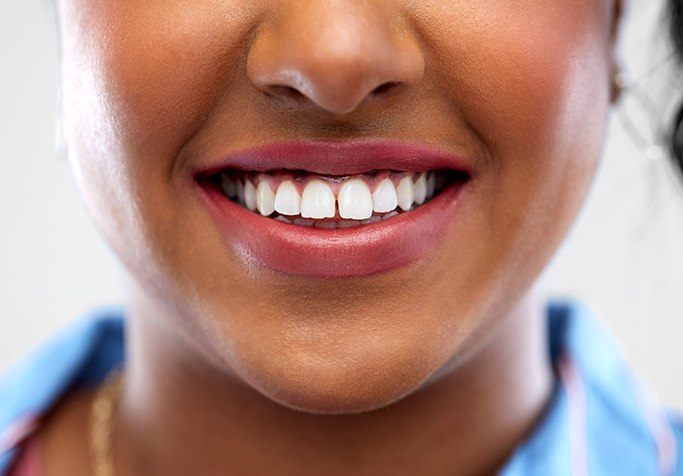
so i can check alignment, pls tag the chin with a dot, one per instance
(342, 385)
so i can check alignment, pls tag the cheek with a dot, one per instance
(153, 71)
(534, 96)
(550, 128)
(138, 80)
(532, 84)
(528, 80)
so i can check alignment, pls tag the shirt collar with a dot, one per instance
(600, 420)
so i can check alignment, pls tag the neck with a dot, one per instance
(181, 415)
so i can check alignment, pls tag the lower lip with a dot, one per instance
(335, 253)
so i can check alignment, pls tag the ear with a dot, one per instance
(618, 9)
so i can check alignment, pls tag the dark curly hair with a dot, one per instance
(676, 32)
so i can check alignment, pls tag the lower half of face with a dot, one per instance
(335, 284)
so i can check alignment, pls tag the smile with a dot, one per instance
(332, 202)
(334, 208)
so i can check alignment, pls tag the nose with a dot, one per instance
(335, 54)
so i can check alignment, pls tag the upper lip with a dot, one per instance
(340, 157)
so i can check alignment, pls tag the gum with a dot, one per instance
(335, 183)
(336, 221)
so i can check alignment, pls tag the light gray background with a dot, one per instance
(624, 257)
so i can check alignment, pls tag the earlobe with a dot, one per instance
(619, 82)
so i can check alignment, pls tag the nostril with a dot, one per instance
(281, 90)
(384, 88)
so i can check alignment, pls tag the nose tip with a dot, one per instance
(336, 58)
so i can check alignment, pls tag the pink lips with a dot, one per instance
(335, 253)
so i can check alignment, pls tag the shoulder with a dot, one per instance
(79, 356)
(676, 449)
(605, 420)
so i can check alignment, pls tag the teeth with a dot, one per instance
(250, 195)
(228, 186)
(348, 223)
(404, 191)
(303, 221)
(420, 190)
(287, 199)
(317, 200)
(357, 203)
(355, 200)
(431, 185)
(384, 198)
(239, 192)
(265, 198)
(373, 219)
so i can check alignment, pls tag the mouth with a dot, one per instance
(334, 208)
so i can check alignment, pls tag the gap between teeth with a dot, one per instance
(353, 199)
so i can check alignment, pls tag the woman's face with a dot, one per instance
(156, 92)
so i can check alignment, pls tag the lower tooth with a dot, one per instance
(372, 219)
(303, 222)
(325, 224)
(347, 223)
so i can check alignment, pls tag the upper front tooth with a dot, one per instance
(420, 190)
(384, 198)
(287, 199)
(355, 200)
(317, 200)
(265, 198)
(404, 191)
(250, 195)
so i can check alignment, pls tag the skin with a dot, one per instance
(438, 367)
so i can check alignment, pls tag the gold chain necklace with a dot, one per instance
(101, 426)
